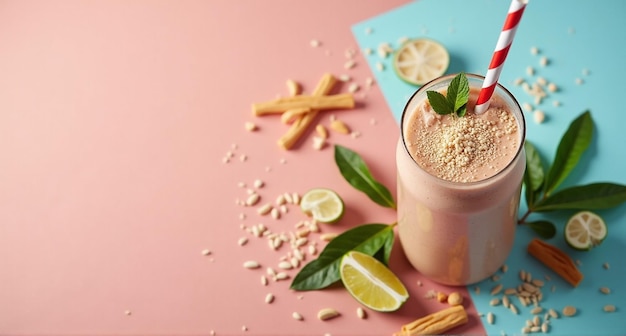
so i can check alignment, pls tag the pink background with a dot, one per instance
(115, 117)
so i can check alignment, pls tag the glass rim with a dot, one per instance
(518, 116)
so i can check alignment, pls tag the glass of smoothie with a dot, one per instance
(459, 181)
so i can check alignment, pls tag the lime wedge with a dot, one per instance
(371, 283)
(585, 230)
(323, 204)
(419, 61)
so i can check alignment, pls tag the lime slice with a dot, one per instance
(585, 230)
(420, 61)
(371, 283)
(323, 204)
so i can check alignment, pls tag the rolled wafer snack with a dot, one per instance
(435, 323)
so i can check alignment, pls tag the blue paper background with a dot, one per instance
(574, 36)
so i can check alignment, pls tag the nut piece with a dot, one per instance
(297, 316)
(321, 131)
(327, 314)
(251, 264)
(569, 311)
(293, 87)
(360, 312)
(339, 127)
(442, 297)
(250, 126)
(605, 290)
(455, 299)
(609, 308)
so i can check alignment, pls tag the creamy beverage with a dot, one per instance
(459, 181)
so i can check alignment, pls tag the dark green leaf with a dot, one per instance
(324, 271)
(534, 175)
(544, 229)
(590, 197)
(386, 249)
(355, 171)
(458, 92)
(461, 111)
(439, 102)
(574, 142)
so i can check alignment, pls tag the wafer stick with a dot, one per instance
(556, 260)
(435, 323)
(325, 85)
(280, 105)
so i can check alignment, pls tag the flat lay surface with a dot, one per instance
(127, 164)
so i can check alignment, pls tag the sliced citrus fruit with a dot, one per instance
(419, 61)
(585, 230)
(323, 204)
(371, 283)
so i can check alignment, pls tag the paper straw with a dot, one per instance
(499, 55)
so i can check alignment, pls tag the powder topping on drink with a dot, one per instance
(463, 149)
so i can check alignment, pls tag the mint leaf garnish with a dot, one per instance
(456, 99)
(439, 102)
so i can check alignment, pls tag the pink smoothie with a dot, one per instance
(459, 185)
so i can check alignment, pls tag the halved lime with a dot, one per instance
(585, 230)
(323, 204)
(419, 61)
(371, 283)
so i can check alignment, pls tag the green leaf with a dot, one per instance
(574, 142)
(589, 197)
(544, 229)
(458, 92)
(439, 102)
(355, 171)
(324, 271)
(534, 175)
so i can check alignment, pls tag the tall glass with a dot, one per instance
(458, 233)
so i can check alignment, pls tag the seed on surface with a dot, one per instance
(282, 276)
(513, 309)
(537, 283)
(318, 143)
(569, 311)
(606, 265)
(579, 81)
(605, 290)
(242, 241)
(295, 198)
(312, 249)
(321, 131)
(360, 312)
(504, 268)
(553, 313)
(526, 330)
(250, 126)
(327, 314)
(285, 265)
(490, 318)
(264, 209)
(496, 289)
(288, 197)
(455, 299)
(353, 87)
(349, 64)
(275, 213)
(494, 302)
(545, 327)
(534, 50)
(253, 199)
(505, 301)
(206, 252)
(510, 291)
(539, 116)
(380, 66)
(243, 157)
(297, 316)
(244, 328)
(251, 264)
(522, 275)
(269, 298)
(328, 236)
(315, 43)
(263, 280)
(529, 287)
(552, 87)
(535, 329)
(530, 71)
(609, 308)
(536, 320)
(543, 61)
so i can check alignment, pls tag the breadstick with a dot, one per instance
(280, 105)
(435, 323)
(325, 85)
(290, 116)
(556, 260)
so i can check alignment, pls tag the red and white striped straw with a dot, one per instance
(499, 55)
